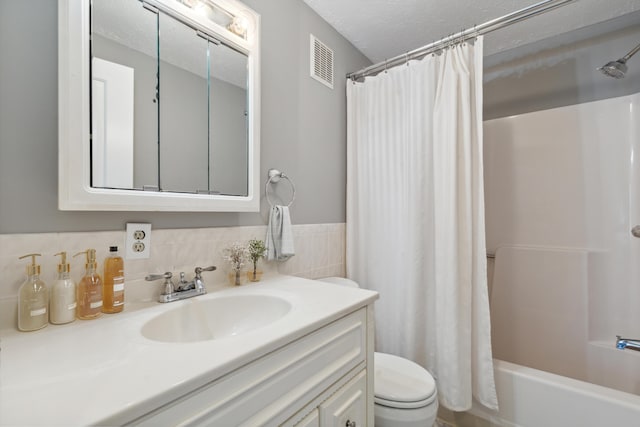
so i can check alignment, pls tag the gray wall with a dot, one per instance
(303, 123)
(562, 70)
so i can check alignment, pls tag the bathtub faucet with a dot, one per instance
(631, 344)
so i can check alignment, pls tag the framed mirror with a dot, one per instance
(159, 105)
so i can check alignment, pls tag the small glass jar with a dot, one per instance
(254, 275)
(237, 277)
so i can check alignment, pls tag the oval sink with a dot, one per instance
(202, 320)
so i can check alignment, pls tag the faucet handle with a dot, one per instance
(197, 281)
(168, 284)
(152, 277)
(199, 270)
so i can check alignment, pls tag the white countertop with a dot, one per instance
(106, 372)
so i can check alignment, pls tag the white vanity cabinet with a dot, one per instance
(348, 406)
(320, 379)
(312, 366)
(311, 420)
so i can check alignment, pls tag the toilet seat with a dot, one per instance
(401, 383)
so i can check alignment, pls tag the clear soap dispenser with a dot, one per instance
(89, 291)
(62, 301)
(33, 300)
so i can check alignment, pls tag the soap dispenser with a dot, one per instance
(89, 292)
(62, 301)
(33, 300)
(113, 282)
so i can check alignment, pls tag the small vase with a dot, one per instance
(236, 277)
(254, 276)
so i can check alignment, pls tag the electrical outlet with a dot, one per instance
(138, 241)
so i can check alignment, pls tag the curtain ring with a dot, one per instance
(406, 58)
(385, 66)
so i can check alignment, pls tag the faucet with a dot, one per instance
(631, 344)
(184, 289)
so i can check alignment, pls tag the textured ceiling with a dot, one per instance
(382, 29)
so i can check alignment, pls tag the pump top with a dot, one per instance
(91, 258)
(33, 269)
(63, 267)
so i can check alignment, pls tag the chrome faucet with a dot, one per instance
(185, 289)
(631, 344)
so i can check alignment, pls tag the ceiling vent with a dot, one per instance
(321, 62)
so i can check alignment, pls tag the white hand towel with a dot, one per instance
(279, 234)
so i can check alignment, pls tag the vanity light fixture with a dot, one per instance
(239, 25)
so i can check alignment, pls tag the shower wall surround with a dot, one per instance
(319, 253)
(561, 194)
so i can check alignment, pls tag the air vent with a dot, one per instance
(321, 62)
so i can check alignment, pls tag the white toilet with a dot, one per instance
(404, 392)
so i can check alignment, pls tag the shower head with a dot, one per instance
(617, 69)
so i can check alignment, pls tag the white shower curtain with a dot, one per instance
(415, 217)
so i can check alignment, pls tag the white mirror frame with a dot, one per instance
(74, 190)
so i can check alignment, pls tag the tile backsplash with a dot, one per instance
(320, 252)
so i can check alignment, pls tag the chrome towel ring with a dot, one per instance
(274, 176)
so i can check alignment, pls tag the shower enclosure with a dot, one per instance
(562, 191)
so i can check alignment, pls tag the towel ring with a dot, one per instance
(274, 176)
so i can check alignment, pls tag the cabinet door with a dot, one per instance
(348, 406)
(311, 420)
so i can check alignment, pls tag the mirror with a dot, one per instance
(174, 97)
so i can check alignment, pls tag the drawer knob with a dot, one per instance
(350, 423)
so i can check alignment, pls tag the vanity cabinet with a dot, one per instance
(311, 420)
(348, 406)
(320, 379)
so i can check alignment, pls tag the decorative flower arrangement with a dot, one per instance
(256, 250)
(236, 255)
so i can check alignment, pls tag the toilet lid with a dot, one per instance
(401, 383)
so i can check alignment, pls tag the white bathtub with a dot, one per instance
(532, 398)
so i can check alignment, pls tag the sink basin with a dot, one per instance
(212, 319)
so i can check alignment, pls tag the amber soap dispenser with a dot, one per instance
(113, 293)
(89, 289)
(33, 299)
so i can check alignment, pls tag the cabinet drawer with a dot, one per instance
(271, 389)
(311, 420)
(348, 406)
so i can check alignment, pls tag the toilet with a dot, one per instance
(404, 392)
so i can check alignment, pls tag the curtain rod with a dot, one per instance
(487, 27)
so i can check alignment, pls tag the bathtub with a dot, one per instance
(532, 398)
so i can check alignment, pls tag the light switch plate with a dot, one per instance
(138, 241)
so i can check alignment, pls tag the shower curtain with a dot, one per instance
(415, 217)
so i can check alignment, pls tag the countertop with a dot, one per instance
(105, 372)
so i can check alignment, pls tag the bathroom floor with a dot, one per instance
(461, 419)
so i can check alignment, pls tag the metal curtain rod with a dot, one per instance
(487, 27)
